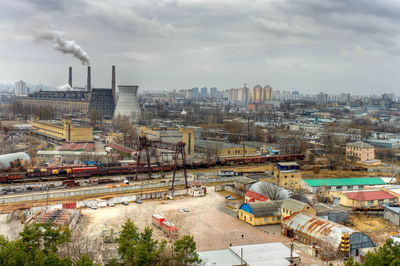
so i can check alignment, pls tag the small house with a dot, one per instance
(260, 213)
(196, 190)
(392, 214)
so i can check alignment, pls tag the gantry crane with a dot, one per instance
(178, 148)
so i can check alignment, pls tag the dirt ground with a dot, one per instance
(377, 228)
(209, 222)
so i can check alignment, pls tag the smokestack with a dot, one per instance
(70, 77)
(89, 81)
(113, 83)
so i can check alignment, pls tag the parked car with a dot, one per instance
(230, 198)
(186, 209)
(138, 201)
(125, 203)
(111, 204)
(180, 210)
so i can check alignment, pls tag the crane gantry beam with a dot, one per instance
(178, 148)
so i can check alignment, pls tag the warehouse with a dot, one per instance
(341, 183)
(312, 230)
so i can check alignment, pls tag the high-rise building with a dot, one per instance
(195, 91)
(213, 92)
(245, 94)
(203, 92)
(268, 93)
(21, 89)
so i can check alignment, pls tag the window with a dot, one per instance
(292, 176)
(370, 202)
(241, 214)
(285, 184)
(274, 219)
(251, 219)
(285, 176)
(380, 201)
(349, 187)
(229, 152)
(338, 187)
(266, 219)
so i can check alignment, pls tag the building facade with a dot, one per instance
(62, 131)
(260, 213)
(359, 151)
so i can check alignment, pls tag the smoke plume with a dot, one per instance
(62, 45)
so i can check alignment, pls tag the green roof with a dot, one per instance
(344, 181)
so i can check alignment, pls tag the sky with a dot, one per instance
(332, 46)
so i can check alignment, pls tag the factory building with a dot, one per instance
(62, 131)
(171, 135)
(220, 149)
(313, 230)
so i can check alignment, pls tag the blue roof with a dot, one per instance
(245, 207)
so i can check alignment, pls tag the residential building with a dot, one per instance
(21, 89)
(213, 92)
(195, 92)
(260, 213)
(203, 92)
(359, 151)
(341, 183)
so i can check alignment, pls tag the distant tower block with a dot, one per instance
(128, 104)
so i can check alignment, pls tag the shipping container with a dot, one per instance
(169, 229)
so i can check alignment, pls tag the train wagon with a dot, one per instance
(83, 169)
(169, 229)
(157, 220)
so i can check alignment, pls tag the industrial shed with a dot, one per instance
(313, 230)
(261, 213)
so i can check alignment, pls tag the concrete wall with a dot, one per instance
(392, 217)
(66, 193)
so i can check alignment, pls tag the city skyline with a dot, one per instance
(310, 46)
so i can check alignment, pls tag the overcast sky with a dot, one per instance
(308, 45)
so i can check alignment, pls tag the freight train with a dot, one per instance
(75, 171)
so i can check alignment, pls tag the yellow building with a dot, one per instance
(291, 206)
(260, 213)
(62, 131)
(172, 135)
(363, 198)
(217, 149)
(287, 175)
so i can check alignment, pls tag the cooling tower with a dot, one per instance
(128, 104)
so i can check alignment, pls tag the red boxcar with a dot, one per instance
(83, 169)
(157, 220)
(169, 229)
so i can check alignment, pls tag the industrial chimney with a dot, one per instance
(89, 79)
(70, 77)
(113, 84)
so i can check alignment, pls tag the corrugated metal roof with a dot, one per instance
(369, 195)
(318, 228)
(256, 196)
(344, 181)
(293, 205)
(263, 208)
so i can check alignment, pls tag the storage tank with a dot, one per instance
(14, 159)
(128, 104)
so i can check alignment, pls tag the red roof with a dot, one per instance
(77, 147)
(196, 184)
(120, 148)
(369, 195)
(256, 196)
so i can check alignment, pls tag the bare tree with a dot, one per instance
(272, 191)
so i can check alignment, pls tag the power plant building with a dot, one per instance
(102, 101)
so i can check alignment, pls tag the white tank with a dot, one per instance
(7, 159)
(128, 104)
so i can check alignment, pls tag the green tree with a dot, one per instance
(127, 242)
(38, 245)
(185, 251)
(148, 249)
